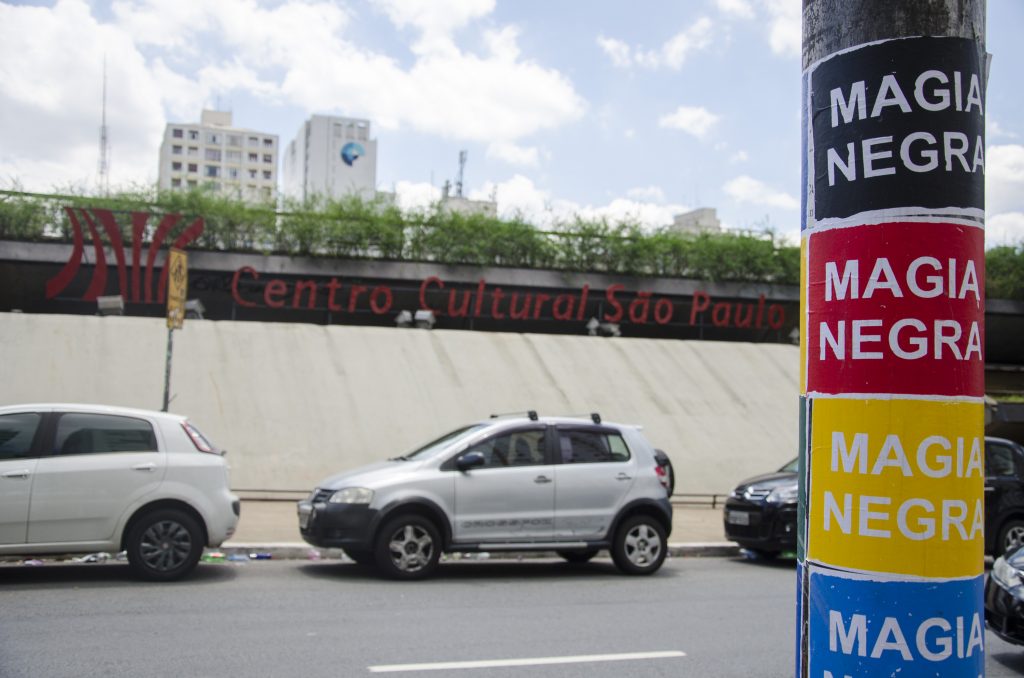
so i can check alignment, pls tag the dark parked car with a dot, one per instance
(1004, 597)
(760, 514)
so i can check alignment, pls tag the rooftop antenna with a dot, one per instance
(462, 167)
(104, 169)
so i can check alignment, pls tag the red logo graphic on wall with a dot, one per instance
(140, 290)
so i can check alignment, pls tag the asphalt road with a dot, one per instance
(697, 617)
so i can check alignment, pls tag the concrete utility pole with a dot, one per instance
(891, 564)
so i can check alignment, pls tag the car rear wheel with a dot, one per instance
(639, 546)
(164, 545)
(1011, 535)
(408, 547)
(577, 557)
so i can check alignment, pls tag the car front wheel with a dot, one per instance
(164, 545)
(1011, 535)
(639, 546)
(408, 547)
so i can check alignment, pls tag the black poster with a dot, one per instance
(899, 124)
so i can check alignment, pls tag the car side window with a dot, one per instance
(518, 448)
(17, 431)
(999, 461)
(101, 433)
(592, 447)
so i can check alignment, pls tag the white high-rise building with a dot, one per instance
(240, 163)
(331, 156)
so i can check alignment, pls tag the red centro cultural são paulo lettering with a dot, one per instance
(484, 301)
(896, 299)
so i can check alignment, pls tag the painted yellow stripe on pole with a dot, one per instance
(890, 478)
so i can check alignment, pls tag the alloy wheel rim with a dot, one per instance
(165, 545)
(411, 548)
(643, 545)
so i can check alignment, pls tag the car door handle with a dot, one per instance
(623, 476)
(144, 467)
(20, 474)
(542, 479)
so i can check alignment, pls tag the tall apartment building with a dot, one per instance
(331, 156)
(240, 163)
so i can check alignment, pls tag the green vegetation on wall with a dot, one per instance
(351, 228)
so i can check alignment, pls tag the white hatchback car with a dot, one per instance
(90, 478)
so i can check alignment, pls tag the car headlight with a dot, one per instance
(352, 495)
(784, 494)
(1007, 574)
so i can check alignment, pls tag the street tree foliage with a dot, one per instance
(351, 228)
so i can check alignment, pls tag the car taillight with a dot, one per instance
(197, 438)
(662, 475)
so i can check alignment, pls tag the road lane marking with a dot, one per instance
(534, 661)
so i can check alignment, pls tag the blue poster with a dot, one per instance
(859, 626)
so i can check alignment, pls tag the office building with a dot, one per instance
(239, 163)
(330, 156)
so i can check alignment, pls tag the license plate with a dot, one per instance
(737, 518)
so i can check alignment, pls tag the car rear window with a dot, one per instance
(592, 447)
(80, 433)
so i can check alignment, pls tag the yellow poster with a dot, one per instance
(177, 288)
(889, 479)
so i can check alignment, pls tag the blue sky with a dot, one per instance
(625, 110)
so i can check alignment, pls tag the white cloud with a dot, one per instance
(416, 196)
(739, 157)
(436, 20)
(741, 9)
(648, 193)
(673, 54)
(519, 196)
(514, 154)
(51, 79)
(750, 190)
(697, 121)
(996, 131)
(1004, 179)
(173, 59)
(1005, 229)
(785, 27)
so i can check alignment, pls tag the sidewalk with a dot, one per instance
(271, 526)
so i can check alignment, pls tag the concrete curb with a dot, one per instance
(302, 551)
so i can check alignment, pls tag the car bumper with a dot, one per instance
(337, 525)
(762, 526)
(1004, 610)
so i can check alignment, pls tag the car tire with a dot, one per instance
(577, 557)
(1011, 535)
(164, 545)
(639, 546)
(408, 547)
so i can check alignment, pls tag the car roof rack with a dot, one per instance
(593, 416)
(532, 414)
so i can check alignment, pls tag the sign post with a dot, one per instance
(177, 292)
(891, 543)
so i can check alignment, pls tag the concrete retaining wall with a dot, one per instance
(293, 402)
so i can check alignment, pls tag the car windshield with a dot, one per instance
(444, 442)
(791, 467)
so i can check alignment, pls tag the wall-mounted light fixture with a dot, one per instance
(113, 305)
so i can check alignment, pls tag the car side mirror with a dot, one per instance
(470, 460)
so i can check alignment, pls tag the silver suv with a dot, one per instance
(521, 483)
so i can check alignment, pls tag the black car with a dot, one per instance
(1004, 496)
(1004, 597)
(760, 514)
